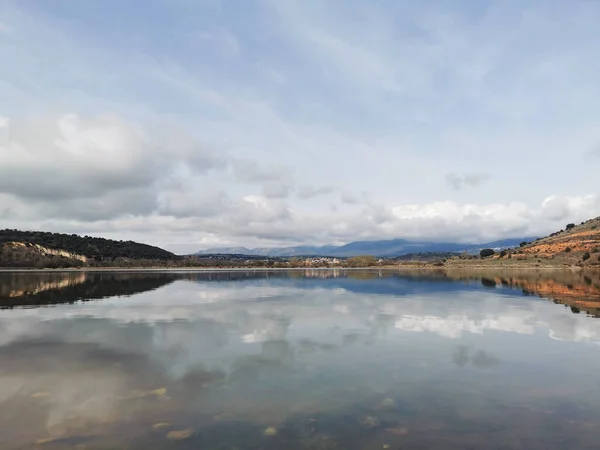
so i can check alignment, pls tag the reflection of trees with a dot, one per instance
(461, 356)
(577, 289)
(23, 289)
(488, 282)
(481, 359)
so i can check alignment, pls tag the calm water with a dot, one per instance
(300, 360)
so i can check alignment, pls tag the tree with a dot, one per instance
(503, 253)
(523, 244)
(569, 226)
(362, 261)
(487, 252)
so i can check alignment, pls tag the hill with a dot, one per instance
(71, 249)
(381, 248)
(575, 244)
(26, 254)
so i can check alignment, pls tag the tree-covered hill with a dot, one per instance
(91, 247)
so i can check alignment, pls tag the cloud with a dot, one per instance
(106, 175)
(458, 182)
(75, 157)
(165, 139)
(348, 198)
(308, 192)
(275, 182)
(186, 202)
(93, 168)
(249, 171)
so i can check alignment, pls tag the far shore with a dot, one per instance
(408, 266)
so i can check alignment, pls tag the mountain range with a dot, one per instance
(387, 248)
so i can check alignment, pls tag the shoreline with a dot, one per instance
(414, 266)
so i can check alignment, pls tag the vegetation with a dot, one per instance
(523, 244)
(425, 256)
(569, 226)
(586, 256)
(503, 253)
(486, 252)
(361, 261)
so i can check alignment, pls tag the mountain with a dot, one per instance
(385, 248)
(301, 250)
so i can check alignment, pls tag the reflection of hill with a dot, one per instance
(30, 289)
(577, 289)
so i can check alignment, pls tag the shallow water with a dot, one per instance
(300, 360)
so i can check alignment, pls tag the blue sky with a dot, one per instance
(193, 124)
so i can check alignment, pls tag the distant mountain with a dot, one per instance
(302, 250)
(386, 248)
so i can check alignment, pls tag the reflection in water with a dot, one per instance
(301, 359)
(47, 288)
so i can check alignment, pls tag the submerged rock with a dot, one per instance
(370, 422)
(177, 435)
(40, 395)
(386, 403)
(270, 431)
(398, 431)
(160, 392)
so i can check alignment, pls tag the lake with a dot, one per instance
(306, 359)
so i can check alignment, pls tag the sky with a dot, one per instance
(196, 124)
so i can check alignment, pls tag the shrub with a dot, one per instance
(569, 226)
(502, 253)
(568, 249)
(362, 261)
(486, 252)
(523, 244)
(586, 256)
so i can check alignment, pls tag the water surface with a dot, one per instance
(300, 360)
